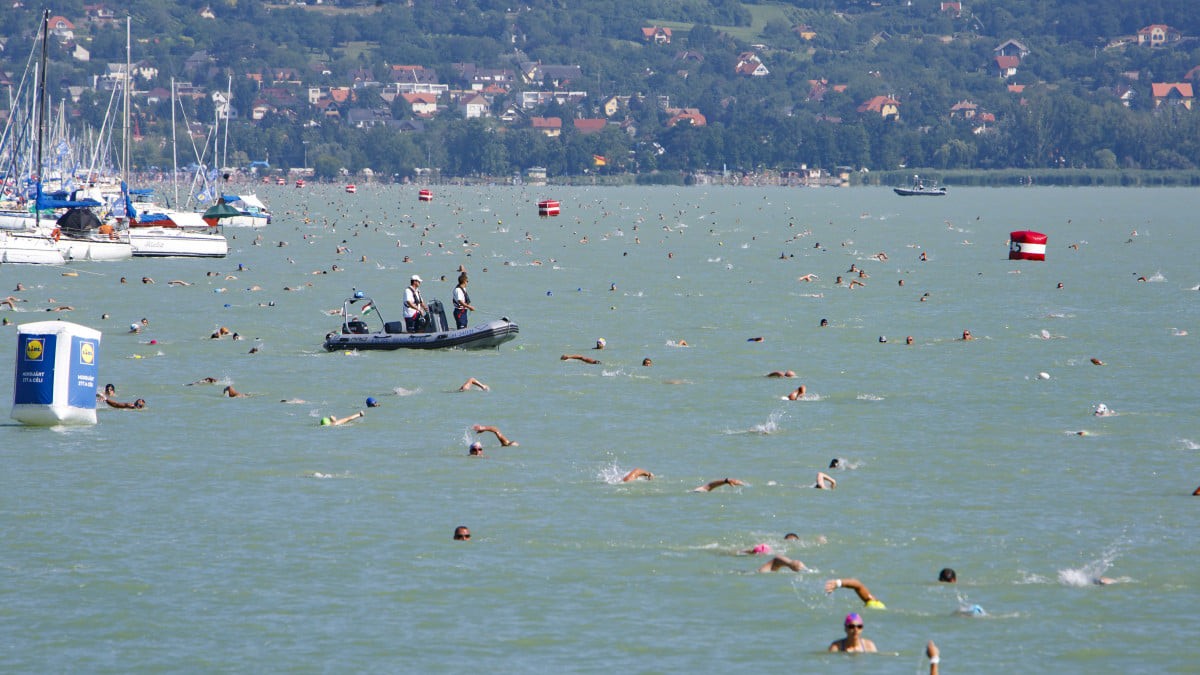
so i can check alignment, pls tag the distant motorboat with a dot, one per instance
(918, 188)
(356, 334)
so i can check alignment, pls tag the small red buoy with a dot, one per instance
(548, 207)
(351, 188)
(425, 195)
(1027, 245)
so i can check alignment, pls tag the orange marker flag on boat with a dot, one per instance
(600, 160)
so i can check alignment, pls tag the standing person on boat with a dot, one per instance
(414, 305)
(462, 302)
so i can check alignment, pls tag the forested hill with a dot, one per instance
(483, 87)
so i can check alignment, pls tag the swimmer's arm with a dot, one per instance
(853, 584)
(931, 651)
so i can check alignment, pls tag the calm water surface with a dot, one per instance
(215, 534)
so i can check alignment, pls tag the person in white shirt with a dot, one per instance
(414, 305)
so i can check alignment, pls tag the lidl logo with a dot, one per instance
(34, 349)
(87, 353)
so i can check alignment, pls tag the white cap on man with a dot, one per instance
(416, 278)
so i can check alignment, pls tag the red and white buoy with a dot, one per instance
(425, 195)
(351, 188)
(548, 207)
(299, 182)
(1026, 245)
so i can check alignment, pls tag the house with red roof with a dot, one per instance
(1172, 94)
(551, 126)
(691, 116)
(751, 66)
(964, 110)
(423, 105)
(658, 35)
(1006, 66)
(1158, 35)
(589, 125)
(885, 106)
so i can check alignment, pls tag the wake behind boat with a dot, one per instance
(918, 188)
(356, 333)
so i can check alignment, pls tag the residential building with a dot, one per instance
(1158, 35)
(885, 106)
(1172, 94)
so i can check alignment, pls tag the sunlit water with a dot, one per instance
(214, 534)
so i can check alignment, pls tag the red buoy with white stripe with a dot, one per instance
(548, 207)
(425, 195)
(1026, 245)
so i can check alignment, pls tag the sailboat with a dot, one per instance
(30, 246)
(159, 232)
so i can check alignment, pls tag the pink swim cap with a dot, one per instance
(761, 549)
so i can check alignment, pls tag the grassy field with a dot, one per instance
(753, 33)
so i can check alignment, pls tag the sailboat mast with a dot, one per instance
(125, 120)
(37, 205)
(174, 148)
(228, 107)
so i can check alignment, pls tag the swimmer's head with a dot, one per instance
(853, 619)
(947, 576)
(824, 322)
(476, 448)
(791, 536)
(835, 463)
(371, 402)
(761, 549)
(325, 421)
(600, 343)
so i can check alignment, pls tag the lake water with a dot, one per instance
(214, 534)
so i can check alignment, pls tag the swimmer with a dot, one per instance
(136, 405)
(504, 441)
(755, 339)
(371, 402)
(475, 449)
(178, 282)
(967, 335)
(1097, 362)
(709, 487)
(636, 474)
(147, 280)
(462, 533)
(233, 393)
(1196, 493)
(600, 344)
(1103, 411)
(935, 658)
(646, 362)
(791, 536)
(825, 481)
(203, 380)
(798, 394)
(908, 340)
(578, 357)
(854, 641)
(780, 562)
(782, 373)
(808, 277)
(335, 421)
(758, 549)
(947, 576)
(858, 587)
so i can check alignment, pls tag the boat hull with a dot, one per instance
(484, 336)
(166, 242)
(920, 192)
(94, 249)
(28, 249)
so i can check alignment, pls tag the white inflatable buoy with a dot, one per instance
(56, 371)
(1043, 375)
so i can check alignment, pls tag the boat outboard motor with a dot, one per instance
(437, 317)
